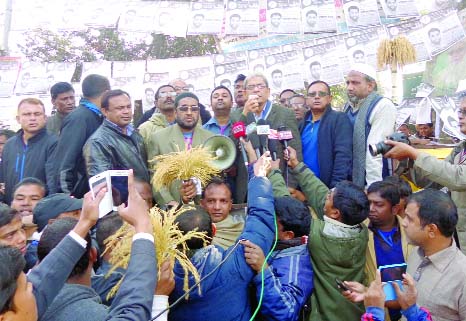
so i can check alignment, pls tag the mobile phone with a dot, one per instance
(96, 183)
(341, 285)
(390, 274)
(119, 186)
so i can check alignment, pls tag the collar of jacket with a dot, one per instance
(34, 138)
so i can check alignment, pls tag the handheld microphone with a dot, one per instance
(250, 118)
(239, 130)
(251, 128)
(273, 148)
(254, 139)
(263, 130)
(284, 135)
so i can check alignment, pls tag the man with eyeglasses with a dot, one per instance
(285, 96)
(326, 137)
(298, 106)
(116, 144)
(185, 134)
(162, 118)
(258, 106)
(182, 87)
(373, 118)
(450, 172)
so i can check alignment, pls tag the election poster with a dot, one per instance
(9, 69)
(283, 17)
(284, 70)
(318, 16)
(361, 13)
(206, 17)
(321, 62)
(242, 18)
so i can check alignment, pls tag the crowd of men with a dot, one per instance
(321, 217)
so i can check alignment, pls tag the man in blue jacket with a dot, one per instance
(223, 294)
(326, 136)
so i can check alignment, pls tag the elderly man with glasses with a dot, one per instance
(184, 134)
(326, 137)
(428, 170)
(258, 106)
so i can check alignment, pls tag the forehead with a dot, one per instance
(28, 107)
(287, 94)
(297, 99)
(375, 197)
(221, 91)
(187, 101)
(178, 83)
(217, 191)
(166, 89)
(65, 94)
(412, 210)
(463, 103)
(15, 224)
(256, 80)
(29, 190)
(318, 87)
(119, 100)
(355, 75)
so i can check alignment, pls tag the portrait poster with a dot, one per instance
(242, 18)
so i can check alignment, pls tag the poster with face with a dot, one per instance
(321, 62)
(284, 71)
(138, 17)
(9, 68)
(399, 8)
(318, 16)
(171, 17)
(361, 13)
(413, 30)
(362, 46)
(446, 108)
(32, 79)
(256, 58)
(283, 17)
(241, 18)
(206, 17)
(226, 73)
(442, 31)
(151, 82)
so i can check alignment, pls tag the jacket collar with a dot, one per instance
(41, 133)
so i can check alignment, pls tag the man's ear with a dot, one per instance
(334, 214)
(214, 229)
(287, 235)
(432, 230)
(93, 255)
(396, 209)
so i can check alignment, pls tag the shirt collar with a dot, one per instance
(441, 259)
(213, 120)
(129, 128)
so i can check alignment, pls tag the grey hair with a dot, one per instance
(256, 74)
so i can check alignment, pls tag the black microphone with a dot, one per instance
(254, 139)
(273, 148)
(263, 131)
(250, 118)
(284, 135)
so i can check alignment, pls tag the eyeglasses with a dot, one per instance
(182, 88)
(258, 86)
(170, 93)
(461, 112)
(185, 108)
(297, 105)
(321, 94)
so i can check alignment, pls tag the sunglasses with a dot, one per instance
(193, 109)
(167, 94)
(321, 94)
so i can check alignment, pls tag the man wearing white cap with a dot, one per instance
(373, 118)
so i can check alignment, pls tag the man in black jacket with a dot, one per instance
(30, 153)
(77, 127)
(116, 144)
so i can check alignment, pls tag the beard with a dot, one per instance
(186, 126)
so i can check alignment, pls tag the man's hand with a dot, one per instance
(136, 213)
(188, 191)
(89, 213)
(375, 297)
(356, 291)
(253, 255)
(400, 151)
(251, 105)
(166, 282)
(297, 194)
(291, 157)
(262, 166)
(250, 152)
(407, 297)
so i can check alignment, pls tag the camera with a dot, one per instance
(382, 148)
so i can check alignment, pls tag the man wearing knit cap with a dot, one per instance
(183, 135)
(373, 118)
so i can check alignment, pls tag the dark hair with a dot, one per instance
(432, 30)
(403, 186)
(314, 63)
(319, 82)
(293, 215)
(7, 133)
(160, 88)
(235, 15)
(185, 95)
(311, 11)
(276, 14)
(192, 219)
(148, 89)
(286, 90)
(106, 227)
(353, 7)
(358, 51)
(60, 88)
(436, 207)
(276, 71)
(352, 202)
(239, 78)
(216, 181)
(13, 263)
(95, 85)
(53, 235)
(30, 181)
(110, 94)
(7, 215)
(387, 190)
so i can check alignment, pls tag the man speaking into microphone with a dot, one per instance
(258, 106)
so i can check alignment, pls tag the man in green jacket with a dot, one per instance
(337, 240)
(450, 172)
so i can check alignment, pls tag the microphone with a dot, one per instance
(251, 128)
(263, 130)
(250, 118)
(254, 139)
(239, 131)
(284, 135)
(273, 148)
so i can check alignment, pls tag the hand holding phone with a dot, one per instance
(341, 285)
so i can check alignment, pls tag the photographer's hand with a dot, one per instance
(401, 151)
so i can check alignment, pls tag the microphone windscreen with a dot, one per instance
(250, 118)
(254, 139)
(238, 129)
(272, 146)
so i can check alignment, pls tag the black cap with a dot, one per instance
(53, 205)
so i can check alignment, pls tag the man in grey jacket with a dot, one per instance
(450, 173)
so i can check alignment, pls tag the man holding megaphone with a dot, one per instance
(257, 107)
